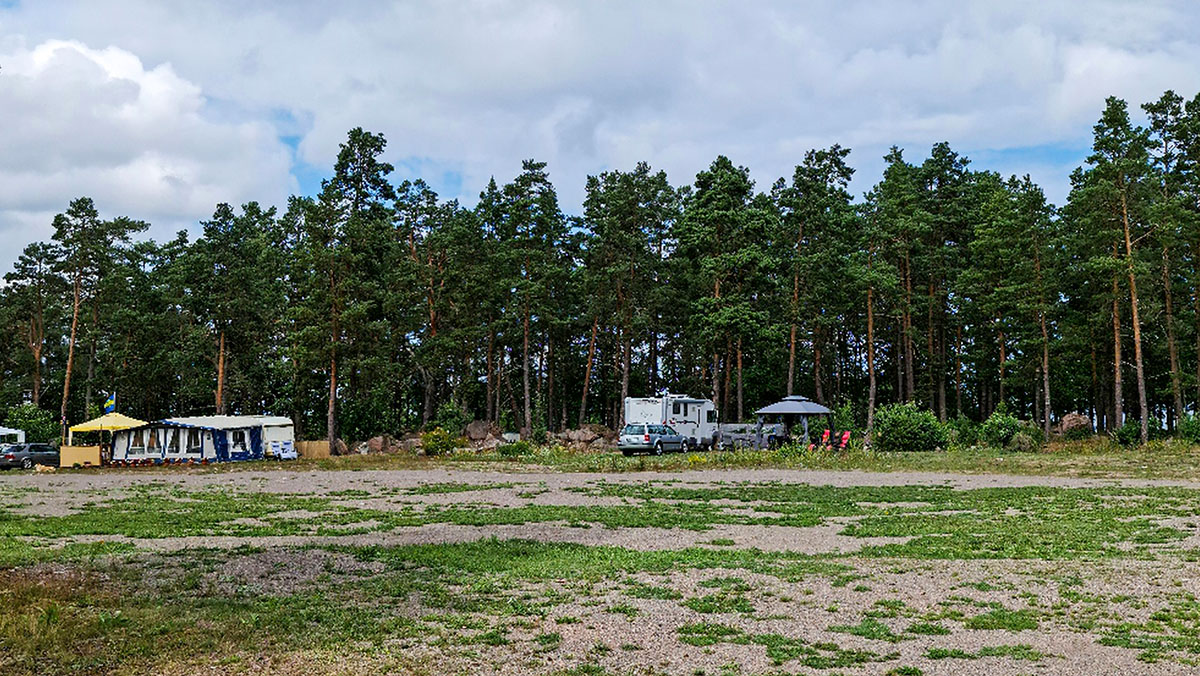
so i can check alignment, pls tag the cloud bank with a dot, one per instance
(159, 110)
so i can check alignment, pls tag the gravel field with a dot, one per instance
(841, 598)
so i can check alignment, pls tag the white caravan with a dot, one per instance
(694, 418)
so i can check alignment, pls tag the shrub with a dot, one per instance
(846, 418)
(515, 449)
(1077, 433)
(1189, 429)
(1130, 434)
(451, 418)
(906, 428)
(963, 431)
(999, 428)
(438, 441)
(1023, 442)
(38, 423)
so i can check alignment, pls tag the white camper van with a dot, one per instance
(694, 418)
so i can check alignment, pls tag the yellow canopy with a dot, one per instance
(108, 423)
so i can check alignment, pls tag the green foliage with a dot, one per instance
(1022, 442)
(962, 431)
(451, 418)
(1130, 434)
(516, 449)
(1189, 428)
(999, 428)
(438, 441)
(38, 423)
(906, 428)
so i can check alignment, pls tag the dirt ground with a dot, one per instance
(1077, 603)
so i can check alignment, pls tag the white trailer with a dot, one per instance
(694, 418)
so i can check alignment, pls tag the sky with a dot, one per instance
(159, 110)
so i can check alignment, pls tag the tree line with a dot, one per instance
(375, 306)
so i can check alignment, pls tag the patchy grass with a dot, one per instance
(1017, 652)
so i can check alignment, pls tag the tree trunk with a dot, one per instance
(909, 351)
(727, 397)
(716, 383)
(870, 360)
(490, 380)
(958, 370)
(1118, 418)
(792, 335)
(587, 372)
(626, 358)
(528, 427)
(1045, 374)
(1172, 348)
(78, 290)
(740, 408)
(819, 390)
(550, 381)
(331, 411)
(1137, 325)
(221, 374)
(1003, 359)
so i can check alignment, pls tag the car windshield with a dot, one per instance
(669, 430)
(633, 429)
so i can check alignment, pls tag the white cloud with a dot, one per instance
(96, 122)
(185, 100)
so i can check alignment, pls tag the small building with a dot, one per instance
(216, 438)
(792, 412)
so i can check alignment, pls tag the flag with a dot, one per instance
(110, 404)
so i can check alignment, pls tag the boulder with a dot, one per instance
(479, 430)
(339, 448)
(1074, 423)
(377, 445)
(409, 443)
(489, 443)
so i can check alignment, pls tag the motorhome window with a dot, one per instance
(633, 429)
(172, 441)
(712, 416)
(152, 440)
(239, 439)
(193, 441)
(675, 408)
(138, 443)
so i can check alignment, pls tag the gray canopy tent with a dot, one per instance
(792, 411)
(9, 432)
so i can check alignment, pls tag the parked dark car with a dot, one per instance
(650, 438)
(26, 456)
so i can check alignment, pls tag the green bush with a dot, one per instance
(906, 428)
(515, 449)
(1023, 442)
(846, 418)
(438, 441)
(1130, 434)
(38, 423)
(451, 418)
(1189, 429)
(963, 431)
(999, 428)
(1081, 433)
